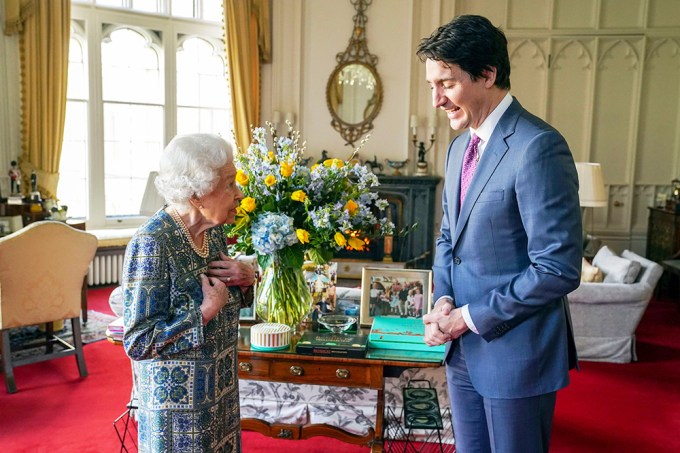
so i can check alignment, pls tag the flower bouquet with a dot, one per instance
(290, 211)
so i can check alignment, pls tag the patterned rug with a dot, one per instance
(93, 330)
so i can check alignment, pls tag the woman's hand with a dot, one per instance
(215, 297)
(231, 272)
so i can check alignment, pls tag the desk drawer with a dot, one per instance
(253, 368)
(311, 372)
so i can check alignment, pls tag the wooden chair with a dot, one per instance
(42, 267)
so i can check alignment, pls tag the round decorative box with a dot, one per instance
(269, 336)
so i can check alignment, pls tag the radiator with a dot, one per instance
(106, 268)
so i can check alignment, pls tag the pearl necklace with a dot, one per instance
(205, 248)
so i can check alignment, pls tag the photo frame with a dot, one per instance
(248, 313)
(10, 224)
(403, 293)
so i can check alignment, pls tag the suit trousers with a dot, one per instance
(493, 425)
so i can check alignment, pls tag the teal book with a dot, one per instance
(392, 332)
(332, 344)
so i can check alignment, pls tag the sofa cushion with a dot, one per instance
(615, 268)
(590, 273)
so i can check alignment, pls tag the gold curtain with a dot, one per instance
(248, 42)
(44, 28)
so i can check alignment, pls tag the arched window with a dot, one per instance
(140, 72)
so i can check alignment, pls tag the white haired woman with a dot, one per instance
(182, 298)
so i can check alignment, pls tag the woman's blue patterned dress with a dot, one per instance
(186, 381)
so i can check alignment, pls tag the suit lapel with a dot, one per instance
(493, 154)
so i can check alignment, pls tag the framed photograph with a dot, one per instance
(248, 313)
(322, 280)
(400, 293)
(5, 227)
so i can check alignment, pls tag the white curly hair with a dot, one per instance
(190, 165)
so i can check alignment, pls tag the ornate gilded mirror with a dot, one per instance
(354, 90)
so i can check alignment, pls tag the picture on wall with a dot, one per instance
(400, 293)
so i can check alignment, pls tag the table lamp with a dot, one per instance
(591, 192)
(151, 201)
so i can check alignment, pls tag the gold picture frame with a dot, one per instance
(395, 292)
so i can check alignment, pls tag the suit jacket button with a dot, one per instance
(456, 260)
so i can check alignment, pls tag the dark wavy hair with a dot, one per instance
(473, 43)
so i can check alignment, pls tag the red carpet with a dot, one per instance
(608, 407)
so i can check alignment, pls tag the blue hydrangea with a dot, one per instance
(272, 232)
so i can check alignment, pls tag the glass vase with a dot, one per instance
(283, 295)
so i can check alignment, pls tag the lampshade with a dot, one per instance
(591, 185)
(151, 201)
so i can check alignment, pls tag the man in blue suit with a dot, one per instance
(509, 250)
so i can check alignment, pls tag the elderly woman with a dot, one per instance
(182, 298)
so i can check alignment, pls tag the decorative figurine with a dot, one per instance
(15, 178)
(35, 195)
(324, 156)
(376, 167)
(396, 165)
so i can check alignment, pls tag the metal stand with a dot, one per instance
(421, 414)
(126, 428)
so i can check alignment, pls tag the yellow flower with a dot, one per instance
(333, 163)
(351, 207)
(248, 204)
(270, 155)
(299, 195)
(242, 219)
(241, 178)
(314, 167)
(356, 243)
(302, 235)
(340, 239)
(286, 169)
(270, 180)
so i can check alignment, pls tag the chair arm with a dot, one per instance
(607, 293)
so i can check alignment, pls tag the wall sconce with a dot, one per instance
(421, 164)
(277, 120)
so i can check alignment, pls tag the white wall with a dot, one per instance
(605, 72)
(10, 132)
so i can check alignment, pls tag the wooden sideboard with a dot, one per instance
(287, 366)
(663, 234)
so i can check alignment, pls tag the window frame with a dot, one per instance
(95, 21)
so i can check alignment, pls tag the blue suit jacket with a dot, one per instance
(512, 254)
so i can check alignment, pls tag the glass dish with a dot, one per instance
(337, 323)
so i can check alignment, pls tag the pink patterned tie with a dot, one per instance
(469, 166)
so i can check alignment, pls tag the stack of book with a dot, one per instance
(393, 332)
(114, 331)
(332, 344)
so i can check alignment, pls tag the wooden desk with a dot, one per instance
(287, 366)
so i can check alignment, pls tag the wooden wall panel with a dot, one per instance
(663, 13)
(569, 93)
(622, 14)
(529, 14)
(618, 69)
(659, 114)
(494, 10)
(573, 14)
(529, 73)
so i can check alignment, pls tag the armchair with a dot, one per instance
(605, 315)
(42, 268)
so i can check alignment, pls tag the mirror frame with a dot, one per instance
(355, 53)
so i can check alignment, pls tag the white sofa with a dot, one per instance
(606, 315)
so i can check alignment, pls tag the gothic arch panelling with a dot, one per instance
(659, 113)
(570, 91)
(614, 118)
(529, 66)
